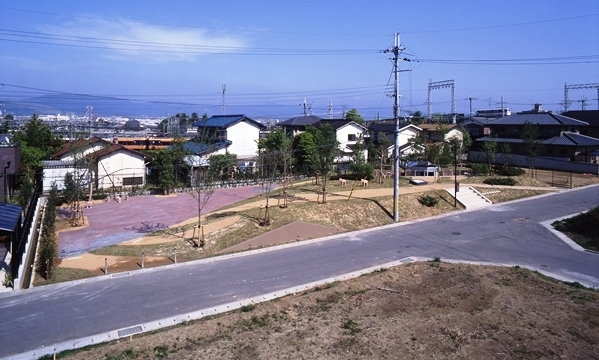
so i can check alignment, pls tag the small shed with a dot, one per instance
(422, 168)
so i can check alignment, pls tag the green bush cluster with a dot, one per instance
(510, 171)
(585, 225)
(479, 169)
(500, 181)
(428, 200)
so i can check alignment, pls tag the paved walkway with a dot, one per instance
(112, 222)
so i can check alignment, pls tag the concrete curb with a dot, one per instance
(224, 308)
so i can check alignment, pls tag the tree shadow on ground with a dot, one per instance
(221, 215)
(147, 227)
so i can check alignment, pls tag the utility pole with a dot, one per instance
(502, 107)
(396, 50)
(583, 103)
(224, 91)
(470, 98)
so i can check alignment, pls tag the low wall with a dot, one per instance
(539, 163)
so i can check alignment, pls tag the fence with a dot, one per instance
(20, 244)
(539, 162)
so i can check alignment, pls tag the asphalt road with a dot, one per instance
(506, 233)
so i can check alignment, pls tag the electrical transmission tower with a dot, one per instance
(470, 98)
(306, 107)
(330, 113)
(441, 85)
(567, 101)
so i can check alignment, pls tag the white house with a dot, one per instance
(348, 133)
(241, 133)
(406, 135)
(443, 132)
(110, 166)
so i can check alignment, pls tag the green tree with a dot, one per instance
(354, 116)
(490, 148)
(223, 166)
(534, 144)
(277, 145)
(327, 148)
(359, 166)
(303, 150)
(47, 244)
(379, 152)
(166, 170)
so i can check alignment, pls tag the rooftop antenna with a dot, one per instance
(224, 91)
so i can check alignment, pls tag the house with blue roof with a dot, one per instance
(233, 134)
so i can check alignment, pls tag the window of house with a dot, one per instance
(549, 150)
(130, 181)
(563, 151)
(351, 137)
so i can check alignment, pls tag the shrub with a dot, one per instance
(479, 169)
(510, 171)
(428, 200)
(500, 181)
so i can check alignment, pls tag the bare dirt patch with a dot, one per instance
(420, 310)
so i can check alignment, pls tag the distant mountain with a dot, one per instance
(103, 106)
(111, 106)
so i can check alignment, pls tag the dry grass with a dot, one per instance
(445, 311)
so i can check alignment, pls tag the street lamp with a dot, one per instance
(455, 174)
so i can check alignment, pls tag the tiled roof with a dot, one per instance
(589, 116)
(68, 147)
(389, 128)
(197, 148)
(225, 121)
(434, 127)
(543, 118)
(301, 121)
(9, 216)
(572, 139)
(112, 148)
(565, 139)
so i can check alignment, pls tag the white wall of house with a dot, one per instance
(121, 168)
(454, 133)
(347, 136)
(406, 135)
(244, 137)
(56, 175)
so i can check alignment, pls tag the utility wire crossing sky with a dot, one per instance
(272, 54)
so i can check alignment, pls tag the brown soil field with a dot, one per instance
(421, 310)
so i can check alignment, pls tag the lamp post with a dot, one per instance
(455, 173)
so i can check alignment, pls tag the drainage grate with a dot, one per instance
(399, 251)
(130, 331)
(544, 266)
(456, 233)
(121, 274)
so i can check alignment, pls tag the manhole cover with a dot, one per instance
(544, 266)
(456, 233)
(501, 222)
(399, 251)
(522, 219)
(408, 246)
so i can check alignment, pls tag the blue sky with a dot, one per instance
(273, 54)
